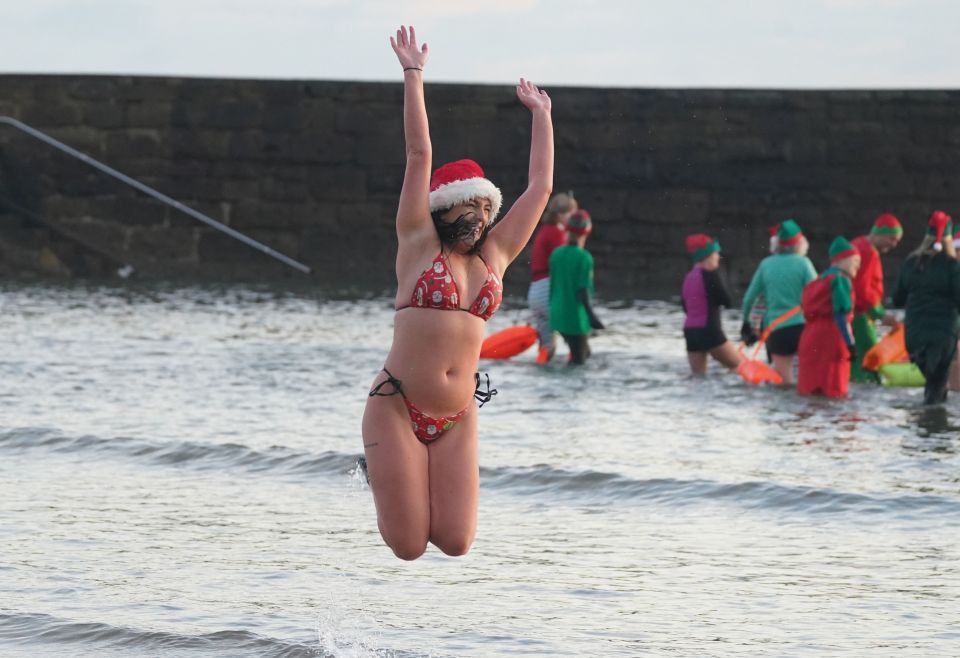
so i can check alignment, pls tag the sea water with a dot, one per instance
(178, 478)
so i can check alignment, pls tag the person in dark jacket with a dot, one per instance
(929, 289)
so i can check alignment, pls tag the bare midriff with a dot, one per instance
(435, 354)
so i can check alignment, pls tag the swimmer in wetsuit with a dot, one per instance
(420, 422)
(702, 295)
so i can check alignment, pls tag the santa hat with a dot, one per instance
(887, 224)
(939, 224)
(789, 233)
(701, 245)
(459, 182)
(580, 223)
(772, 232)
(841, 248)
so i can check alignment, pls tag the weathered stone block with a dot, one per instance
(51, 115)
(148, 114)
(330, 183)
(91, 88)
(136, 144)
(207, 145)
(164, 243)
(103, 115)
(261, 214)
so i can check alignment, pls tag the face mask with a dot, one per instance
(459, 230)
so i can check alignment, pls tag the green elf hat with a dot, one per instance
(938, 224)
(789, 233)
(701, 245)
(887, 224)
(841, 248)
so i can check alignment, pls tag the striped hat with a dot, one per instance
(701, 245)
(579, 223)
(887, 224)
(789, 233)
(841, 248)
(459, 182)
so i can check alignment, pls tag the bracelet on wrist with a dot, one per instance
(413, 68)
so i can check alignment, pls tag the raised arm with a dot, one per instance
(413, 213)
(510, 235)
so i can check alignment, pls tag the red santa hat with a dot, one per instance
(459, 182)
(938, 224)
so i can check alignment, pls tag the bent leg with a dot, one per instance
(698, 362)
(538, 298)
(397, 468)
(935, 363)
(455, 485)
(783, 364)
(954, 378)
(727, 355)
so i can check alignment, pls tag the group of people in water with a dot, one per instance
(419, 426)
(828, 323)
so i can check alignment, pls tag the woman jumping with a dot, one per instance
(420, 422)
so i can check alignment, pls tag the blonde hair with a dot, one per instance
(559, 204)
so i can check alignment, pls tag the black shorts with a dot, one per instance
(784, 341)
(704, 339)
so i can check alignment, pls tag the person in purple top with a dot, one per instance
(704, 292)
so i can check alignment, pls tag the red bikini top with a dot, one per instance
(436, 289)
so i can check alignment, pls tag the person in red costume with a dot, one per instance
(826, 344)
(868, 289)
(552, 234)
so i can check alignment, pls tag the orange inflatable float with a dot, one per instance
(509, 342)
(755, 371)
(892, 348)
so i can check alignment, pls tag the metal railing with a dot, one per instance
(160, 196)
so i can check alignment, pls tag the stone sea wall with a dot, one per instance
(314, 168)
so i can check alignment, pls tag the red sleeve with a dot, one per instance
(868, 286)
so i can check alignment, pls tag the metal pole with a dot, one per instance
(146, 189)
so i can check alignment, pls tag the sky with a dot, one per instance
(613, 43)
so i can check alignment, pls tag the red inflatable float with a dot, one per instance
(509, 342)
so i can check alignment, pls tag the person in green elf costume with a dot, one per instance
(571, 288)
(826, 346)
(780, 279)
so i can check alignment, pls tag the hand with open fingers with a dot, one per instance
(532, 96)
(408, 52)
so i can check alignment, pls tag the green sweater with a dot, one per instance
(780, 278)
(571, 269)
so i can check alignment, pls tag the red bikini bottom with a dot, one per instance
(427, 428)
